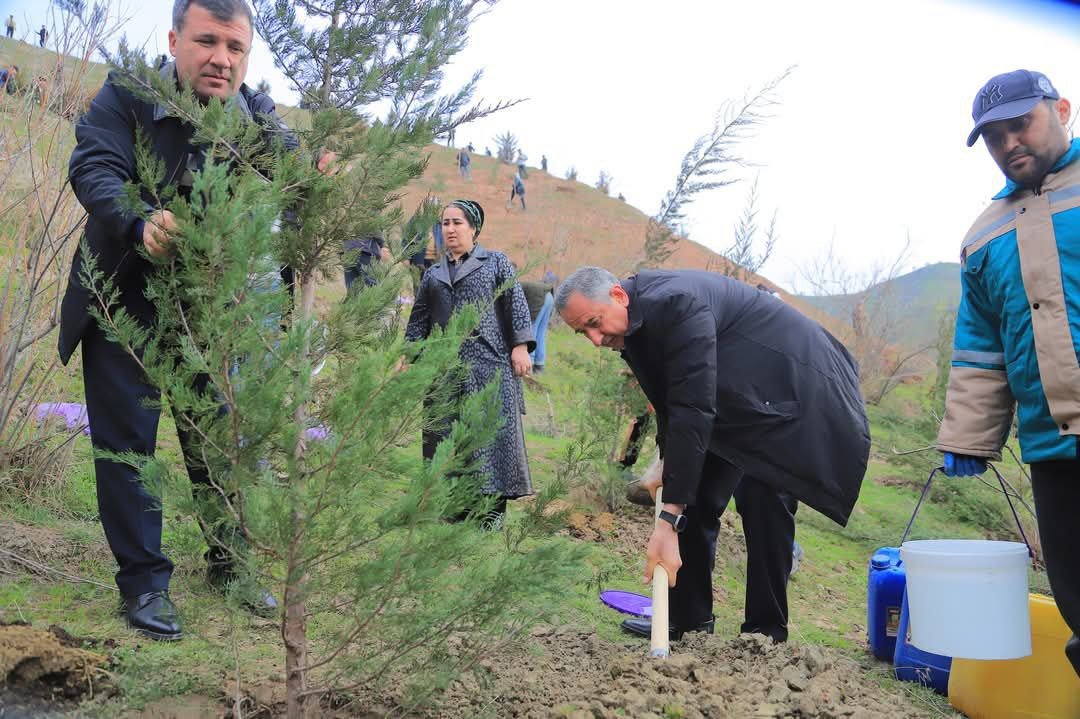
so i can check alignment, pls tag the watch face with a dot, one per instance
(680, 523)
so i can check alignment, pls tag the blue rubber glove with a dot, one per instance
(963, 465)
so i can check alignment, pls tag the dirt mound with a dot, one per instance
(36, 543)
(583, 677)
(49, 664)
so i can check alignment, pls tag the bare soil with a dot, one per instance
(45, 670)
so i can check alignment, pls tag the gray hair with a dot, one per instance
(592, 283)
(223, 10)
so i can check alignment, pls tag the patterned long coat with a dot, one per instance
(486, 353)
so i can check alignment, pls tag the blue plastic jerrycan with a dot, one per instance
(884, 599)
(914, 665)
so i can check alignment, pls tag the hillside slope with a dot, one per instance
(921, 297)
(567, 224)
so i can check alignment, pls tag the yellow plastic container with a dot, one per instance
(1042, 686)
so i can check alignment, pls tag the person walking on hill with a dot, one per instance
(10, 24)
(210, 40)
(522, 170)
(464, 164)
(543, 163)
(1017, 337)
(753, 400)
(517, 189)
(43, 35)
(469, 274)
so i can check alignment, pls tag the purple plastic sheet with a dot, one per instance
(73, 414)
(637, 605)
(318, 433)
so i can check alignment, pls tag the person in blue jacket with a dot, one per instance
(1018, 324)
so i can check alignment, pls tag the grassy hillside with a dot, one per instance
(56, 568)
(922, 297)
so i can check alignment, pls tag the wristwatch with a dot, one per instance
(677, 521)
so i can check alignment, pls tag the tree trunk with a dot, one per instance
(294, 625)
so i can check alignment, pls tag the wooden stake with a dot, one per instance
(660, 646)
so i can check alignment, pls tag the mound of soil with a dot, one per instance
(581, 676)
(48, 664)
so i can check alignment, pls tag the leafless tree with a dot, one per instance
(869, 316)
(603, 183)
(707, 164)
(746, 255)
(506, 147)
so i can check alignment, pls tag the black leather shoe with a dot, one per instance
(257, 600)
(643, 628)
(153, 615)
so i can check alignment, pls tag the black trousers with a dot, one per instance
(768, 519)
(1056, 486)
(120, 421)
(359, 269)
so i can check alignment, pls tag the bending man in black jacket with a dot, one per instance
(210, 40)
(741, 383)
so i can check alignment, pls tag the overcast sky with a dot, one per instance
(866, 149)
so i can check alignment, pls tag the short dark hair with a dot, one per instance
(223, 10)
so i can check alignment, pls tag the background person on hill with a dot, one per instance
(10, 25)
(541, 300)
(543, 163)
(9, 79)
(517, 189)
(43, 35)
(464, 164)
(359, 255)
(522, 170)
(210, 40)
(469, 274)
(753, 400)
(1016, 339)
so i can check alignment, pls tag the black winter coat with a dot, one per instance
(505, 324)
(103, 160)
(732, 371)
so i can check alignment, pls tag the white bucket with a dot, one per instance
(968, 598)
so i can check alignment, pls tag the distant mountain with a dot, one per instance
(915, 303)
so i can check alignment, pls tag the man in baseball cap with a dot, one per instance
(1008, 96)
(1017, 342)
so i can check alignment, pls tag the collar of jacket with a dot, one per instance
(1069, 157)
(239, 101)
(441, 271)
(633, 311)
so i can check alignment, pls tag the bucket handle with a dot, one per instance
(1004, 490)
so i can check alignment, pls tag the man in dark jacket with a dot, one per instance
(744, 387)
(210, 40)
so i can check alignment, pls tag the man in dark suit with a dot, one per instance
(744, 387)
(210, 41)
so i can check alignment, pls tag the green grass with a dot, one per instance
(827, 595)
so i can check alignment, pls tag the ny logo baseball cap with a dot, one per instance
(1007, 96)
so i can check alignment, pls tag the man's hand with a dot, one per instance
(156, 233)
(327, 163)
(384, 254)
(963, 465)
(663, 550)
(519, 360)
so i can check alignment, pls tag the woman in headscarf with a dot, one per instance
(469, 274)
